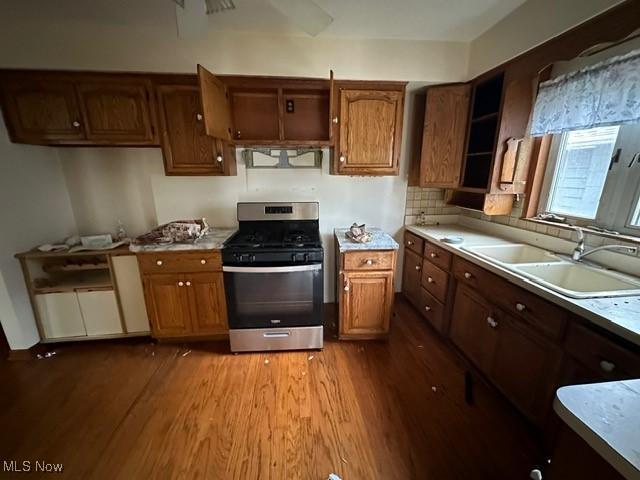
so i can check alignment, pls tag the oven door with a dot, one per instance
(268, 297)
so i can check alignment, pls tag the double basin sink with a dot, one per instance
(576, 280)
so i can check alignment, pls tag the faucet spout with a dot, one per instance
(578, 252)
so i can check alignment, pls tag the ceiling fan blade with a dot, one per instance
(191, 18)
(304, 13)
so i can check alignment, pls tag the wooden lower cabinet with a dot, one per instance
(366, 304)
(208, 304)
(525, 367)
(471, 327)
(167, 305)
(184, 303)
(411, 274)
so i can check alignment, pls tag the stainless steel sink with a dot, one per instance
(514, 253)
(580, 281)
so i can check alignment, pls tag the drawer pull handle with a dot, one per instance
(417, 267)
(409, 242)
(433, 255)
(203, 261)
(430, 280)
(188, 284)
(467, 275)
(159, 262)
(181, 284)
(491, 322)
(521, 307)
(369, 261)
(427, 308)
(607, 366)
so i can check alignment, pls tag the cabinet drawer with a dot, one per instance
(413, 242)
(438, 256)
(179, 262)
(432, 309)
(547, 318)
(600, 354)
(434, 280)
(369, 260)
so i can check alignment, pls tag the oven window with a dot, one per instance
(273, 299)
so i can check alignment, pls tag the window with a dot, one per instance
(581, 171)
(593, 178)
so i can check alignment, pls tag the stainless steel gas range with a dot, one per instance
(273, 278)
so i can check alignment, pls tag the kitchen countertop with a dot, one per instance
(605, 415)
(213, 240)
(619, 315)
(380, 241)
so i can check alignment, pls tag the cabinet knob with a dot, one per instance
(219, 158)
(430, 280)
(467, 275)
(188, 283)
(203, 261)
(238, 134)
(346, 287)
(342, 158)
(607, 366)
(181, 284)
(199, 117)
(491, 322)
(159, 262)
(369, 262)
(521, 307)
(335, 120)
(409, 242)
(433, 255)
(427, 308)
(417, 267)
(76, 124)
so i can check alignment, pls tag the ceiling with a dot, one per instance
(447, 20)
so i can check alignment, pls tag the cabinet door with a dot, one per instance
(168, 305)
(117, 111)
(216, 105)
(366, 304)
(370, 132)
(60, 315)
(186, 147)
(100, 312)
(207, 301)
(39, 109)
(472, 327)
(129, 290)
(445, 125)
(525, 366)
(411, 275)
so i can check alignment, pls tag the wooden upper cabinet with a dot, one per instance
(446, 114)
(370, 132)
(186, 148)
(41, 109)
(117, 110)
(216, 104)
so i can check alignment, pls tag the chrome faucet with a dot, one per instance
(579, 252)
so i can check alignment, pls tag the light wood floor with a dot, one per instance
(363, 410)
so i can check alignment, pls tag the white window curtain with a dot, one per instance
(603, 94)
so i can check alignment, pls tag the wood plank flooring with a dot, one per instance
(362, 410)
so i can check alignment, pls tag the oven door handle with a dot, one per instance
(288, 269)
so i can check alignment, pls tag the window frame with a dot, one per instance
(620, 222)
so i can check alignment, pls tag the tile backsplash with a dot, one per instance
(431, 202)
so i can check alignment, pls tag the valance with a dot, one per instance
(606, 93)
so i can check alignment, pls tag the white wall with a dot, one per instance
(35, 210)
(531, 24)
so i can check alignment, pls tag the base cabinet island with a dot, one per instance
(365, 285)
